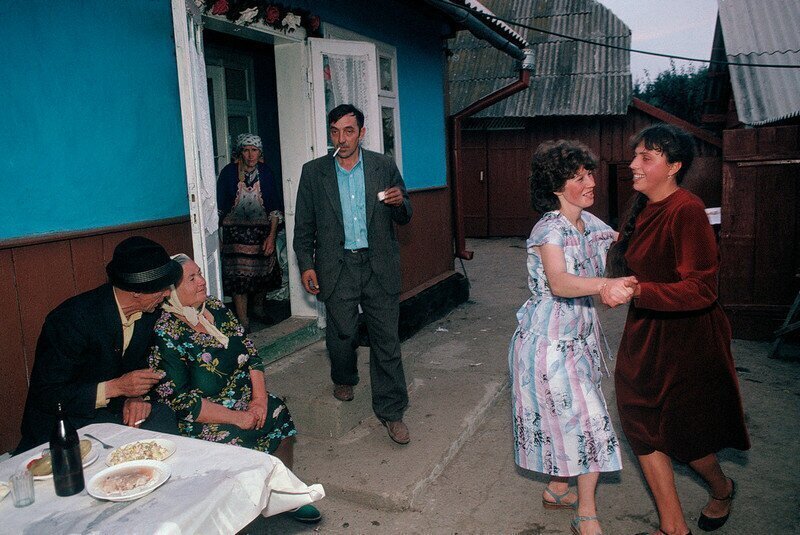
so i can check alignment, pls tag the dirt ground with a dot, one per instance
(481, 491)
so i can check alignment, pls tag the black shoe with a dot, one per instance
(706, 523)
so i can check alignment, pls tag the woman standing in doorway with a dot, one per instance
(676, 386)
(561, 423)
(250, 210)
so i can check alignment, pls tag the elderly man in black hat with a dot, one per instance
(91, 354)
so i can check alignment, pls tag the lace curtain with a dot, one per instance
(208, 181)
(347, 83)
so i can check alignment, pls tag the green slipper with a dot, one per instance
(308, 514)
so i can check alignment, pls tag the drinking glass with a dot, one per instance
(22, 488)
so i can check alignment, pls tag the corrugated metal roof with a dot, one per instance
(763, 32)
(569, 78)
(501, 26)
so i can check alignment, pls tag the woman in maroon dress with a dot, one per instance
(677, 391)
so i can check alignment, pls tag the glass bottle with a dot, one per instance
(65, 452)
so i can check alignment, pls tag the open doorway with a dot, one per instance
(242, 95)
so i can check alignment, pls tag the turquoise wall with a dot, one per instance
(91, 126)
(420, 73)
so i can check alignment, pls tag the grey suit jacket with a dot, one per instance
(319, 230)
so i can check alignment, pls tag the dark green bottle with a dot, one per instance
(65, 452)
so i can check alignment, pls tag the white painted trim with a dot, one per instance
(388, 99)
(205, 246)
(373, 139)
(296, 124)
(222, 151)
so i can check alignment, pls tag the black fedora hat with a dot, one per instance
(141, 265)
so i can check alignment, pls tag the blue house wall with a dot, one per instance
(91, 125)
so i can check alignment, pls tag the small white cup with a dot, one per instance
(381, 196)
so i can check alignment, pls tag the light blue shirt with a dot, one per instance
(354, 207)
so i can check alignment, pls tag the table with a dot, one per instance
(214, 488)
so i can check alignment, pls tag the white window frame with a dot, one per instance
(386, 99)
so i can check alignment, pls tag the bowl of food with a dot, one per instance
(156, 449)
(128, 481)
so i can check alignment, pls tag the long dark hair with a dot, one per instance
(677, 146)
(553, 163)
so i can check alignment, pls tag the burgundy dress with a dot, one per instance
(676, 385)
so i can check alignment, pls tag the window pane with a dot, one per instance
(237, 124)
(387, 116)
(385, 67)
(236, 84)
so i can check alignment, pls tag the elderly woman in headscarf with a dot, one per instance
(250, 211)
(213, 376)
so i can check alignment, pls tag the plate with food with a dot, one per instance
(155, 449)
(128, 481)
(41, 465)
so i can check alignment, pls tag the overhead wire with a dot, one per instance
(494, 17)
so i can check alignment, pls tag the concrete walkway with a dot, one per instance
(458, 473)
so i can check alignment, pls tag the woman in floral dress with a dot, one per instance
(213, 376)
(561, 423)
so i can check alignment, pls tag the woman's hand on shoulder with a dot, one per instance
(619, 291)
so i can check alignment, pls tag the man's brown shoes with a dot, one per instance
(398, 431)
(343, 392)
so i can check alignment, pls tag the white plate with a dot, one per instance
(91, 457)
(163, 442)
(161, 475)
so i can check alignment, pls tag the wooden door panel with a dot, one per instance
(473, 177)
(776, 234)
(509, 203)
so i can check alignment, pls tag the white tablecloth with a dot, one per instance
(214, 488)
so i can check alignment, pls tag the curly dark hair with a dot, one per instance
(553, 163)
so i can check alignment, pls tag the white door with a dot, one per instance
(197, 142)
(219, 116)
(345, 72)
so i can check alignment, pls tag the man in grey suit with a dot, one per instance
(348, 256)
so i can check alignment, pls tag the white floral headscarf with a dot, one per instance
(243, 140)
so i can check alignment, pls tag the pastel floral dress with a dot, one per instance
(197, 366)
(561, 423)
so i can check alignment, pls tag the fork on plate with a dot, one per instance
(105, 446)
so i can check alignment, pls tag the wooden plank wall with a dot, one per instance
(35, 278)
(426, 242)
(760, 237)
(506, 161)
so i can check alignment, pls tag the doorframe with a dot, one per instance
(298, 122)
(295, 120)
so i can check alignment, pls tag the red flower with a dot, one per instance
(220, 7)
(313, 23)
(273, 15)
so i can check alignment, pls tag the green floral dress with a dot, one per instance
(197, 366)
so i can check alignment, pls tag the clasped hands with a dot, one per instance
(255, 416)
(619, 291)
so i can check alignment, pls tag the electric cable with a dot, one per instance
(492, 18)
